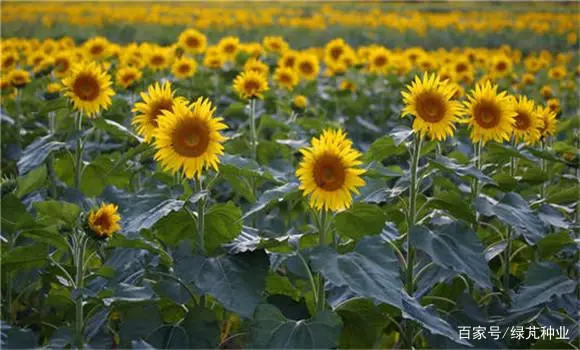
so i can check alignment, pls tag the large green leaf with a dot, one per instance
(55, 212)
(461, 170)
(37, 152)
(32, 181)
(274, 195)
(17, 338)
(202, 328)
(456, 247)
(363, 322)
(223, 223)
(236, 281)
(362, 219)
(542, 282)
(138, 320)
(148, 218)
(14, 214)
(382, 148)
(270, 329)
(454, 204)
(120, 241)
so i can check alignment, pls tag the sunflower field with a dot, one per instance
(289, 175)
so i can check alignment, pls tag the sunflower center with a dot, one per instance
(487, 114)
(289, 61)
(461, 67)
(230, 48)
(431, 107)
(61, 65)
(192, 42)
(158, 107)
(329, 173)
(306, 68)
(275, 46)
(97, 50)
(37, 60)
(501, 66)
(157, 60)
(251, 85)
(380, 61)
(86, 87)
(129, 77)
(184, 68)
(191, 139)
(335, 52)
(522, 121)
(103, 221)
(9, 61)
(285, 79)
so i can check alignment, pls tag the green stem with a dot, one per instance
(543, 167)
(79, 151)
(322, 229)
(79, 251)
(50, 159)
(508, 248)
(17, 121)
(200, 226)
(476, 186)
(253, 150)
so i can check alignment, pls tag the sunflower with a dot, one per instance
(250, 85)
(63, 61)
(308, 66)
(97, 48)
(228, 47)
(127, 76)
(557, 72)
(347, 85)
(158, 98)
(429, 100)
(288, 59)
(89, 88)
(286, 77)
(491, 114)
(192, 41)
(462, 67)
(554, 105)
(275, 44)
(300, 101)
(214, 61)
(528, 79)
(533, 64)
(158, 58)
(104, 222)
(329, 171)
(334, 50)
(528, 122)
(256, 66)
(36, 58)
(189, 138)
(549, 121)
(379, 61)
(9, 60)
(500, 66)
(18, 78)
(546, 91)
(53, 88)
(184, 67)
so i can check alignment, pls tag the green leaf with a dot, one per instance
(461, 170)
(456, 247)
(117, 130)
(542, 282)
(553, 243)
(202, 328)
(175, 227)
(240, 166)
(274, 195)
(120, 241)
(24, 257)
(363, 322)
(270, 329)
(383, 148)
(236, 281)
(146, 219)
(37, 152)
(55, 212)
(138, 320)
(362, 219)
(47, 234)
(454, 204)
(223, 223)
(14, 214)
(99, 173)
(31, 182)
(563, 195)
(18, 338)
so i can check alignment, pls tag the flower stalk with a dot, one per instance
(79, 246)
(323, 223)
(79, 151)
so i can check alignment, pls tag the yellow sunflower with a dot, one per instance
(528, 79)
(275, 44)
(158, 98)
(228, 47)
(53, 88)
(127, 76)
(308, 66)
(214, 61)
(300, 101)
(286, 77)
(18, 78)
(429, 100)
(554, 105)
(546, 91)
(334, 50)
(104, 222)
(9, 60)
(557, 72)
(97, 48)
(347, 85)
(257, 66)
(63, 62)
(500, 65)
(250, 85)
(549, 121)
(329, 171)
(288, 59)
(528, 122)
(89, 88)
(184, 67)
(192, 41)
(491, 114)
(378, 62)
(36, 58)
(189, 138)
(158, 58)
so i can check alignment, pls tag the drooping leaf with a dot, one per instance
(274, 195)
(456, 247)
(362, 219)
(553, 243)
(270, 329)
(454, 204)
(30, 182)
(223, 222)
(382, 148)
(14, 214)
(461, 170)
(120, 241)
(17, 338)
(148, 218)
(37, 152)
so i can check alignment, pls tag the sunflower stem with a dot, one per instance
(322, 229)
(79, 151)
(476, 186)
(543, 167)
(411, 216)
(79, 246)
(50, 159)
(508, 248)
(17, 121)
(200, 216)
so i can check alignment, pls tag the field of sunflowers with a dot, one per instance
(289, 175)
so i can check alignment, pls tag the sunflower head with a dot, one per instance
(547, 91)
(229, 46)
(329, 171)
(19, 78)
(491, 115)
(128, 76)
(557, 72)
(189, 138)
(554, 105)
(275, 44)
(184, 67)
(192, 41)
(378, 62)
(158, 58)
(300, 101)
(549, 121)
(159, 98)
(286, 77)
(89, 88)
(250, 85)
(97, 48)
(257, 66)
(528, 79)
(9, 60)
(104, 222)
(63, 62)
(214, 61)
(308, 66)
(334, 50)
(430, 101)
(347, 85)
(288, 59)
(528, 123)
(501, 65)
(52, 91)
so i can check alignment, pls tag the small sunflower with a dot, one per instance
(557, 72)
(378, 62)
(286, 77)
(158, 98)
(256, 66)
(53, 88)
(549, 121)
(192, 41)
(546, 91)
(308, 66)
(554, 105)
(63, 62)
(334, 50)
(288, 59)
(329, 171)
(158, 58)
(300, 101)
(9, 60)
(36, 58)
(491, 114)
(189, 138)
(104, 222)
(500, 65)
(97, 48)
(275, 44)
(89, 88)
(528, 79)
(228, 47)
(528, 122)
(127, 76)
(250, 85)
(214, 61)
(184, 67)
(18, 78)
(347, 85)
(429, 100)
